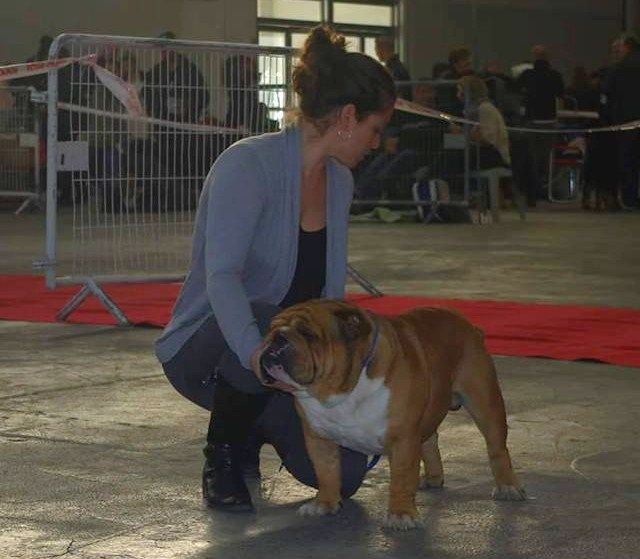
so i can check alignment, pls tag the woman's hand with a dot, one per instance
(278, 384)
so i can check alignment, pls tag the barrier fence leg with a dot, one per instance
(91, 287)
(73, 303)
(363, 282)
(24, 205)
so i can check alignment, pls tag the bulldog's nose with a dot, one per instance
(279, 340)
(281, 350)
(277, 355)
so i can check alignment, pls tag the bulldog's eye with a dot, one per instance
(307, 334)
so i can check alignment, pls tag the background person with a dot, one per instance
(622, 90)
(459, 65)
(491, 132)
(460, 60)
(174, 89)
(583, 92)
(386, 53)
(244, 107)
(543, 89)
(271, 231)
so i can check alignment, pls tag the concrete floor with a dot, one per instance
(100, 458)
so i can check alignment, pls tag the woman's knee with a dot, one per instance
(197, 390)
(281, 427)
(353, 469)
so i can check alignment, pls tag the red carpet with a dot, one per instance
(569, 332)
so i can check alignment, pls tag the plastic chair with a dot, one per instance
(489, 180)
(565, 169)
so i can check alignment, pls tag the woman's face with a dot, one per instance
(360, 138)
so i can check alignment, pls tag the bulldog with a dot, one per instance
(383, 385)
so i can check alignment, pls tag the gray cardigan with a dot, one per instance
(245, 240)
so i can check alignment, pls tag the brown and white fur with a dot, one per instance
(424, 362)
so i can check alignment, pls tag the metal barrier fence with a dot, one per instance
(127, 162)
(132, 182)
(427, 164)
(19, 146)
(422, 159)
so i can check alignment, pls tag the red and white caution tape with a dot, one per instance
(186, 126)
(415, 108)
(126, 93)
(15, 71)
(122, 90)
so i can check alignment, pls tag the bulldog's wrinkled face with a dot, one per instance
(317, 345)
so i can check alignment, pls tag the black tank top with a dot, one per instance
(311, 268)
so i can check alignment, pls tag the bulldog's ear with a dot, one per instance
(350, 324)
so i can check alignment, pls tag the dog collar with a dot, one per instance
(364, 368)
(368, 358)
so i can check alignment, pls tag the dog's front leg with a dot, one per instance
(325, 456)
(404, 462)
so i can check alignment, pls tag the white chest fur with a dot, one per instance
(357, 421)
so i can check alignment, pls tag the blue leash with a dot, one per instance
(372, 463)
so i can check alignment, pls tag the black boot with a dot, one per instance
(251, 456)
(223, 485)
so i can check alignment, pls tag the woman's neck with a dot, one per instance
(315, 149)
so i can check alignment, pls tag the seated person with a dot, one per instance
(491, 132)
(385, 168)
(244, 108)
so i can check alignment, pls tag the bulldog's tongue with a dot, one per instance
(278, 373)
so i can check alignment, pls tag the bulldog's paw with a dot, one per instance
(431, 482)
(317, 508)
(402, 521)
(509, 493)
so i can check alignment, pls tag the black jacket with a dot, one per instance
(622, 88)
(541, 85)
(176, 93)
(400, 74)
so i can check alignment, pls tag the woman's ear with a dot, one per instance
(347, 117)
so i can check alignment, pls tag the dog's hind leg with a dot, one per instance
(433, 473)
(482, 398)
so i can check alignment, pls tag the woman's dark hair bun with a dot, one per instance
(323, 45)
(327, 76)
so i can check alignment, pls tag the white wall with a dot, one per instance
(577, 32)
(24, 21)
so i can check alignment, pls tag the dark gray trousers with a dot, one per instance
(206, 356)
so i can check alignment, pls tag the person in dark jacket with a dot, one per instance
(386, 53)
(622, 90)
(503, 92)
(583, 93)
(244, 108)
(460, 59)
(543, 89)
(459, 64)
(174, 89)
(600, 177)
